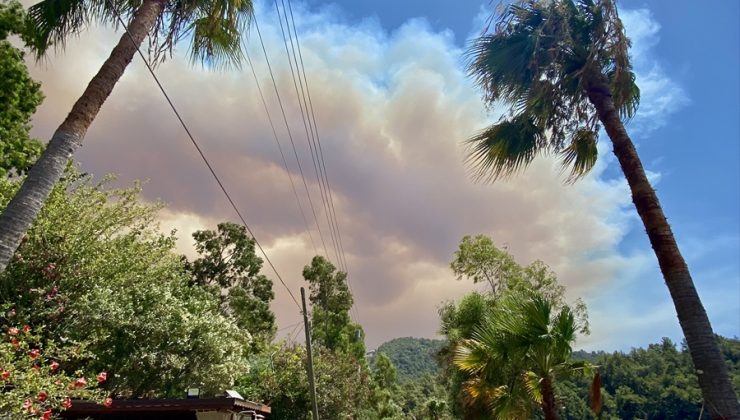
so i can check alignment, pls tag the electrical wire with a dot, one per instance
(205, 160)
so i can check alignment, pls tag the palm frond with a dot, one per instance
(216, 30)
(504, 149)
(580, 155)
(52, 21)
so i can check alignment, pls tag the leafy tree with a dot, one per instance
(516, 355)
(19, 96)
(96, 274)
(213, 29)
(229, 268)
(331, 301)
(564, 68)
(384, 373)
(278, 377)
(480, 260)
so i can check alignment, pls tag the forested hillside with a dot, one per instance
(653, 382)
(412, 357)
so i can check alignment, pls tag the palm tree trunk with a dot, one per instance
(22, 210)
(711, 368)
(549, 407)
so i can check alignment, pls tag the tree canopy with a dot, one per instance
(96, 274)
(20, 95)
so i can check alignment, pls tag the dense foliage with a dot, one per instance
(19, 96)
(413, 358)
(331, 301)
(229, 268)
(94, 273)
(656, 382)
(278, 378)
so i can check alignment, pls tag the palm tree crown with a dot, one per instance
(214, 28)
(539, 59)
(516, 353)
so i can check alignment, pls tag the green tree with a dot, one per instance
(229, 268)
(214, 30)
(460, 320)
(564, 67)
(278, 377)
(384, 373)
(19, 96)
(331, 301)
(479, 259)
(516, 355)
(94, 273)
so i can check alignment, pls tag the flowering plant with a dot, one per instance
(34, 385)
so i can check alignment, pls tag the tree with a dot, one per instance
(480, 260)
(19, 96)
(331, 301)
(564, 67)
(516, 355)
(460, 320)
(229, 268)
(95, 274)
(214, 30)
(278, 377)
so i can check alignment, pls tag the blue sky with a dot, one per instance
(393, 105)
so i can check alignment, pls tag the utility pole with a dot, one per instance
(311, 383)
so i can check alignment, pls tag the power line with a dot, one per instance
(205, 160)
(309, 132)
(321, 153)
(280, 149)
(290, 136)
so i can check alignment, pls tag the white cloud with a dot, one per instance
(660, 95)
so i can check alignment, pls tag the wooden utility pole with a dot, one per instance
(309, 355)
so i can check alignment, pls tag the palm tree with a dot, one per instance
(516, 354)
(563, 66)
(213, 28)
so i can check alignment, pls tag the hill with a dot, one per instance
(413, 357)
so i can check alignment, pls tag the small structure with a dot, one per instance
(189, 409)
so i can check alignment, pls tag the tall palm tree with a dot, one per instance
(213, 28)
(563, 66)
(516, 355)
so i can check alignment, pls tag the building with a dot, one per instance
(182, 409)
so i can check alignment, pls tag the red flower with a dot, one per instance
(15, 343)
(6, 375)
(27, 405)
(108, 402)
(102, 376)
(13, 331)
(34, 353)
(47, 414)
(42, 396)
(67, 403)
(79, 383)
(26, 328)
(54, 366)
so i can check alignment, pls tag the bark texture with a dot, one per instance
(711, 369)
(22, 210)
(549, 406)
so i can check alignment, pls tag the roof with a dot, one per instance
(157, 408)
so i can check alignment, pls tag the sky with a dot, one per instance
(393, 106)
